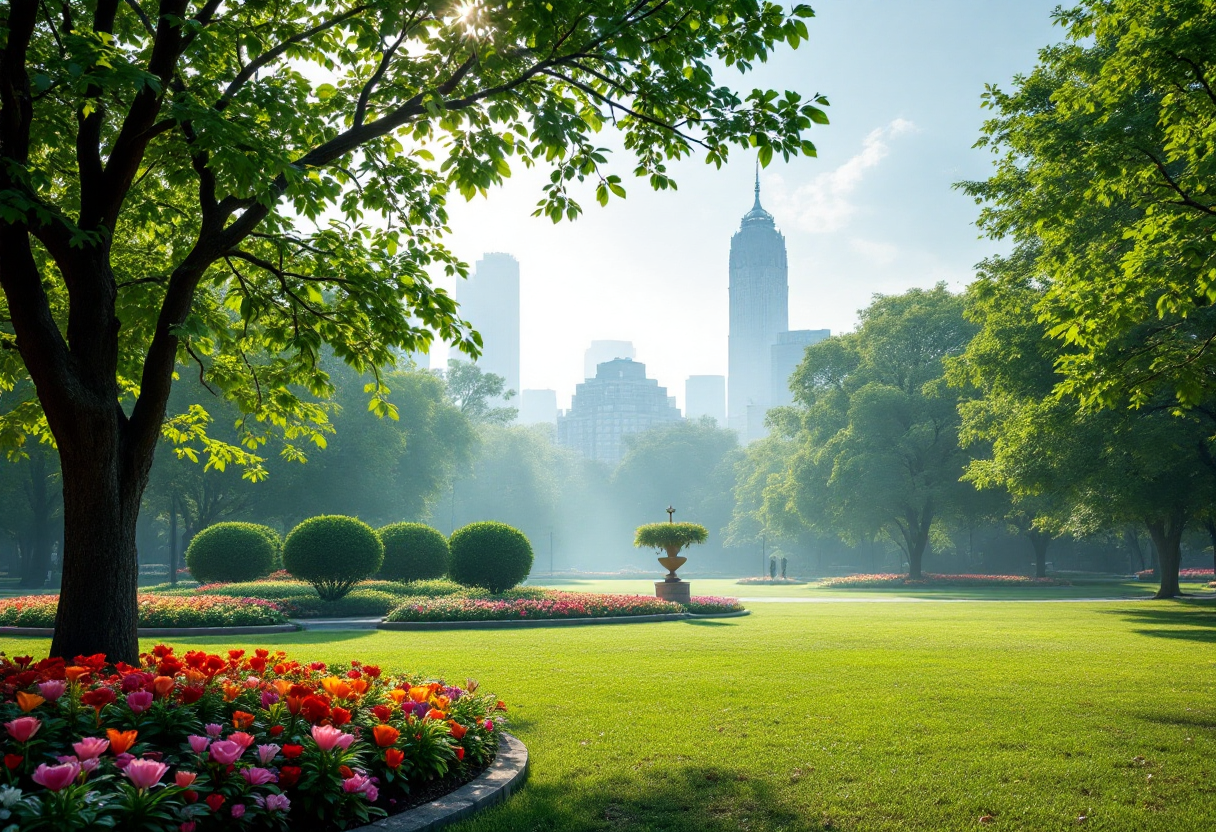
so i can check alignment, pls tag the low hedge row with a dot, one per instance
(156, 611)
(551, 604)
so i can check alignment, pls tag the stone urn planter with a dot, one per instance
(671, 537)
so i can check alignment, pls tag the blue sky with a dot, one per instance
(874, 213)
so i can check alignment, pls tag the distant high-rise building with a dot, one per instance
(601, 351)
(538, 407)
(786, 356)
(705, 396)
(489, 300)
(759, 310)
(619, 400)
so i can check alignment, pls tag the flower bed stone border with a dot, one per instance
(504, 777)
(157, 632)
(551, 622)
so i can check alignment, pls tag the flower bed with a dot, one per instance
(1183, 575)
(928, 579)
(539, 604)
(197, 742)
(155, 611)
(712, 605)
(299, 600)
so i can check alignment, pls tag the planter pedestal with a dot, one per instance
(676, 590)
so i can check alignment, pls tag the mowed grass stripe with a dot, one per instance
(843, 716)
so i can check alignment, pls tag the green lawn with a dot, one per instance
(844, 716)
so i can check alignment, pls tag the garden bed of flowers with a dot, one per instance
(156, 611)
(928, 579)
(202, 741)
(712, 605)
(538, 604)
(1183, 575)
(299, 600)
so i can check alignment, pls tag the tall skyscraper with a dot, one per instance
(619, 400)
(786, 356)
(705, 396)
(538, 407)
(601, 351)
(759, 310)
(489, 300)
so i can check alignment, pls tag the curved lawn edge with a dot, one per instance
(549, 622)
(504, 777)
(156, 632)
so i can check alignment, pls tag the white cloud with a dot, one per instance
(875, 251)
(824, 204)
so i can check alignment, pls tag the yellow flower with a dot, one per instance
(335, 687)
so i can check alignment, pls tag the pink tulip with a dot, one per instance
(184, 779)
(139, 701)
(257, 776)
(90, 747)
(198, 744)
(242, 739)
(56, 778)
(145, 773)
(23, 728)
(328, 738)
(213, 729)
(89, 766)
(273, 802)
(226, 752)
(52, 690)
(266, 753)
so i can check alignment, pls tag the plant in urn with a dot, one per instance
(671, 537)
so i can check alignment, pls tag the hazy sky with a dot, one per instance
(874, 212)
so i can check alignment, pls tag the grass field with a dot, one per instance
(843, 716)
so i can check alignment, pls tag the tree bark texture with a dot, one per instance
(1039, 541)
(1166, 533)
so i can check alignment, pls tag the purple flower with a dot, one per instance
(198, 744)
(266, 753)
(214, 730)
(257, 776)
(52, 690)
(269, 697)
(238, 811)
(123, 760)
(273, 802)
(139, 701)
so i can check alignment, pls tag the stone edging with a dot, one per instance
(157, 632)
(504, 777)
(549, 622)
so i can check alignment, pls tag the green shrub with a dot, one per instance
(358, 603)
(231, 552)
(413, 552)
(333, 553)
(491, 555)
(437, 588)
(276, 540)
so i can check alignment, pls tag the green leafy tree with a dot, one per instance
(1106, 154)
(238, 185)
(878, 440)
(476, 393)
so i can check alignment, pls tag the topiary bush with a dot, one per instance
(413, 552)
(333, 553)
(231, 552)
(491, 555)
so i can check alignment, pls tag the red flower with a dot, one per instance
(345, 772)
(235, 655)
(192, 694)
(261, 652)
(257, 664)
(242, 720)
(314, 708)
(371, 670)
(459, 753)
(353, 674)
(292, 751)
(275, 730)
(340, 717)
(458, 730)
(190, 795)
(382, 712)
(11, 761)
(289, 776)
(98, 697)
(215, 801)
(394, 757)
(95, 662)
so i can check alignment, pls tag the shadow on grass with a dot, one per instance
(1179, 720)
(1182, 619)
(701, 623)
(673, 799)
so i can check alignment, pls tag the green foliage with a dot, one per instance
(1105, 157)
(670, 537)
(233, 552)
(358, 603)
(475, 393)
(489, 554)
(333, 553)
(413, 552)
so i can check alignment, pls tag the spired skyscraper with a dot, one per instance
(759, 310)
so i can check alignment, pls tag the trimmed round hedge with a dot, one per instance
(491, 555)
(333, 553)
(413, 552)
(232, 552)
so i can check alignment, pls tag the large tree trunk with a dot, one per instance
(1210, 525)
(1040, 542)
(915, 532)
(1166, 533)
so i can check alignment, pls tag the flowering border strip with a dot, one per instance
(504, 777)
(157, 632)
(550, 622)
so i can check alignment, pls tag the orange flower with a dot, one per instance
(442, 702)
(385, 735)
(335, 687)
(359, 686)
(420, 694)
(28, 701)
(75, 672)
(436, 714)
(282, 686)
(194, 676)
(121, 741)
(241, 720)
(397, 694)
(163, 685)
(231, 692)
(394, 757)
(458, 730)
